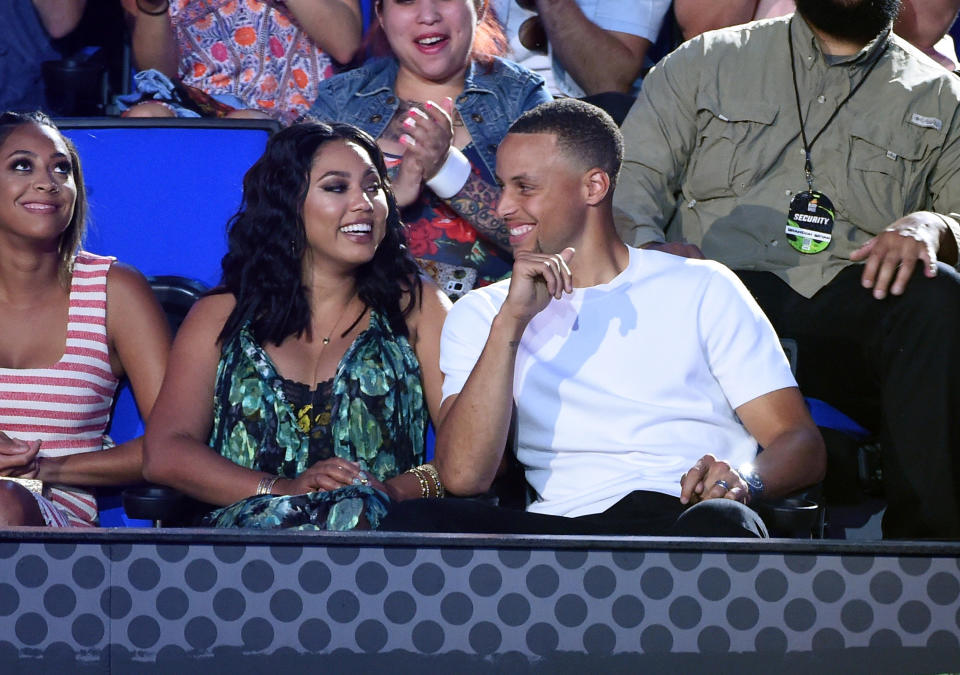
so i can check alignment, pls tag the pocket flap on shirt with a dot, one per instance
(742, 111)
(906, 141)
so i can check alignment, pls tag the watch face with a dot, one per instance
(753, 481)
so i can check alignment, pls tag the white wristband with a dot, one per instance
(452, 176)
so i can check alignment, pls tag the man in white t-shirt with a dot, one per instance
(643, 382)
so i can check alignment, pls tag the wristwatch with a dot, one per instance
(753, 480)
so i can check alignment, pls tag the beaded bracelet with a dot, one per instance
(431, 470)
(156, 12)
(424, 484)
(265, 486)
(427, 473)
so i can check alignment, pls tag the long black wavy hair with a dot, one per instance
(72, 237)
(267, 240)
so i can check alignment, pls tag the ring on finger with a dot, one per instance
(722, 483)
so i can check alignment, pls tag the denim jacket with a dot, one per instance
(489, 103)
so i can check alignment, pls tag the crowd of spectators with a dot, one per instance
(426, 140)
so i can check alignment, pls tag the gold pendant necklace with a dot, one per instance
(326, 340)
(343, 312)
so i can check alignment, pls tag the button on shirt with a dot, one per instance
(714, 152)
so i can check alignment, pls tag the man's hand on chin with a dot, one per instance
(537, 277)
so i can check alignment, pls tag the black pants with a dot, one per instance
(893, 365)
(639, 513)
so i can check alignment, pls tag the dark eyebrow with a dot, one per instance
(33, 154)
(522, 177)
(338, 174)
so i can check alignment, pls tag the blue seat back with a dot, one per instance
(161, 192)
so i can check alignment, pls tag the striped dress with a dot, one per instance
(67, 406)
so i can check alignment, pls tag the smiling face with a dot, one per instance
(345, 210)
(37, 186)
(431, 39)
(543, 197)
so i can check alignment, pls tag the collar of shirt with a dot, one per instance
(808, 46)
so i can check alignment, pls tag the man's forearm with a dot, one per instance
(152, 37)
(793, 461)
(60, 17)
(471, 437)
(334, 25)
(698, 16)
(596, 59)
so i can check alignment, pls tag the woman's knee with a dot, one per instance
(149, 109)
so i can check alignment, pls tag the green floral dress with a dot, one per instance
(377, 419)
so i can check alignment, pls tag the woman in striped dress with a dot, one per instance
(73, 324)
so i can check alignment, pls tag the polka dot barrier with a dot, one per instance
(371, 578)
(771, 585)
(428, 579)
(457, 608)
(714, 583)
(174, 602)
(685, 612)
(400, 607)
(485, 638)
(513, 609)
(656, 583)
(428, 637)
(570, 610)
(599, 639)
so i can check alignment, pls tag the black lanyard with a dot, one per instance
(808, 146)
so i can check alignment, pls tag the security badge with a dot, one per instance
(810, 222)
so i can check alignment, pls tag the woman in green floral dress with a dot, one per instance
(299, 390)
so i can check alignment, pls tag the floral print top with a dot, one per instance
(250, 49)
(438, 234)
(377, 419)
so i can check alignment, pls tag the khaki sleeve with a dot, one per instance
(659, 136)
(945, 185)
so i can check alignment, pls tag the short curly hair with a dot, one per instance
(586, 134)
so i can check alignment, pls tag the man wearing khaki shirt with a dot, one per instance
(819, 156)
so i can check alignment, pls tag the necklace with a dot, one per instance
(810, 216)
(343, 312)
(324, 341)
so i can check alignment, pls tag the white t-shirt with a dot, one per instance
(624, 386)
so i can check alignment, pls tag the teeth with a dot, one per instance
(520, 230)
(357, 228)
(430, 40)
(42, 208)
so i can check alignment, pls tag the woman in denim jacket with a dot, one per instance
(438, 106)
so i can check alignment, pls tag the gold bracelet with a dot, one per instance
(424, 484)
(431, 470)
(155, 12)
(265, 486)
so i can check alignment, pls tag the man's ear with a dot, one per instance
(596, 185)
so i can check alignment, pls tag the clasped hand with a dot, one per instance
(892, 255)
(427, 137)
(711, 478)
(18, 459)
(327, 475)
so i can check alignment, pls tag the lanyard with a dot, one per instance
(807, 146)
